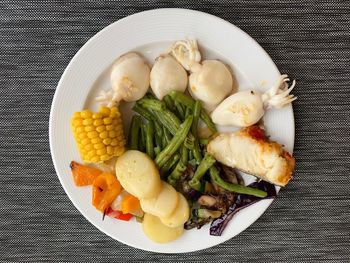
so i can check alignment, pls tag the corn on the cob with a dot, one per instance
(99, 135)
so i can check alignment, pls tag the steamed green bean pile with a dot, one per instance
(167, 130)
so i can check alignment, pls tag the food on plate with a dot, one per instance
(83, 174)
(105, 189)
(245, 108)
(177, 172)
(186, 52)
(127, 204)
(210, 82)
(99, 135)
(180, 214)
(130, 78)
(158, 232)
(166, 75)
(249, 150)
(138, 174)
(163, 204)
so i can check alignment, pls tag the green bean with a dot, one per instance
(167, 135)
(143, 112)
(189, 102)
(169, 102)
(188, 112)
(142, 140)
(180, 110)
(175, 142)
(203, 142)
(149, 139)
(175, 175)
(196, 113)
(203, 167)
(172, 123)
(169, 164)
(240, 189)
(157, 150)
(184, 155)
(152, 104)
(134, 132)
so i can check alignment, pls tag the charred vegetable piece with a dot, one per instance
(83, 174)
(105, 189)
(218, 225)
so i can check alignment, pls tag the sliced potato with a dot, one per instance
(157, 231)
(180, 214)
(138, 174)
(162, 205)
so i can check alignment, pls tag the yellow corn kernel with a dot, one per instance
(85, 141)
(99, 146)
(119, 151)
(82, 136)
(110, 150)
(76, 115)
(109, 127)
(107, 120)
(100, 128)
(88, 147)
(96, 140)
(104, 135)
(101, 151)
(77, 122)
(115, 122)
(92, 134)
(85, 114)
(87, 122)
(114, 142)
(79, 129)
(91, 154)
(95, 159)
(112, 134)
(98, 122)
(89, 128)
(105, 111)
(107, 141)
(105, 157)
(97, 115)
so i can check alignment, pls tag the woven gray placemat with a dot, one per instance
(310, 220)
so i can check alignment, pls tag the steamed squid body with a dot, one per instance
(210, 81)
(130, 78)
(167, 75)
(250, 151)
(246, 107)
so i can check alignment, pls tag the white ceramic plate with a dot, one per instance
(150, 33)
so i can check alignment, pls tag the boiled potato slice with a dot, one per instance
(157, 231)
(162, 205)
(180, 214)
(138, 174)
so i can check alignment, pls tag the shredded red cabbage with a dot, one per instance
(218, 225)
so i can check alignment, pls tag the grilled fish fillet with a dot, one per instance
(249, 151)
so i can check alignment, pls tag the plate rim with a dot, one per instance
(67, 69)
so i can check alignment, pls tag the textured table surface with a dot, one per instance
(309, 222)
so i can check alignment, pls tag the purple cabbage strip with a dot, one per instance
(218, 225)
